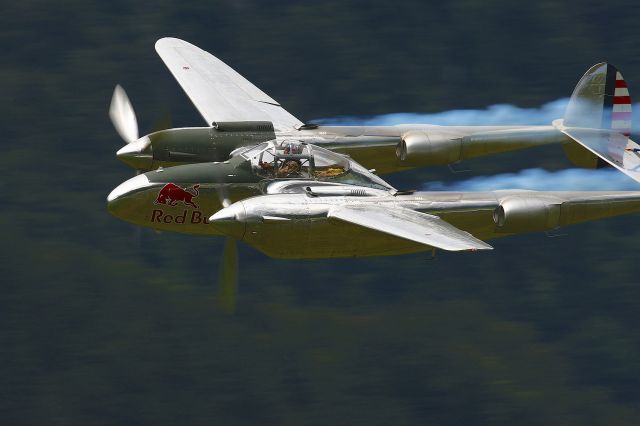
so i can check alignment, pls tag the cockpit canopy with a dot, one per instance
(292, 159)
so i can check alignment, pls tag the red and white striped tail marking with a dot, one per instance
(621, 113)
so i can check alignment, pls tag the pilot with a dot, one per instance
(267, 168)
(289, 168)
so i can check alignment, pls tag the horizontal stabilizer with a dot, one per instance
(614, 147)
(410, 225)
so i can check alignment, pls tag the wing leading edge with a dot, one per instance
(410, 225)
(218, 92)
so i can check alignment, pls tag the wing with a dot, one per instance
(613, 147)
(218, 92)
(411, 225)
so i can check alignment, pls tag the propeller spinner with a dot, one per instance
(137, 151)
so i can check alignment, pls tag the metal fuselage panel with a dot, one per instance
(189, 145)
(181, 199)
(147, 208)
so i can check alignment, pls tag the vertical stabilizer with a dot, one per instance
(600, 101)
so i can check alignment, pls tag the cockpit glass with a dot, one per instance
(292, 159)
(289, 159)
(249, 153)
(328, 164)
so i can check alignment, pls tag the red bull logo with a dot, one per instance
(171, 194)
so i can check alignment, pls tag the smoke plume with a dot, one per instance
(543, 180)
(501, 114)
(494, 115)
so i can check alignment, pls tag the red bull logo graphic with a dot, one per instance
(171, 194)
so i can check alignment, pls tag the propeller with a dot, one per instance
(228, 276)
(228, 269)
(223, 194)
(124, 120)
(123, 116)
(137, 151)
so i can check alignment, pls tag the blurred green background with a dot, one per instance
(100, 327)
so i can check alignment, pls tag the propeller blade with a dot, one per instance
(122, 115)
(228, 276)
(223, 193)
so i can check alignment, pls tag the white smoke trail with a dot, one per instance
(544, 180)
(501, 114)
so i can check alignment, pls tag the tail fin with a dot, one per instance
(598, 120)
(600, 101)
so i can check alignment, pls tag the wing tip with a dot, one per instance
(166, 42)
(481, 245)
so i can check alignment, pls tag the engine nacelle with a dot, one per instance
(418, 148)
(523, 214)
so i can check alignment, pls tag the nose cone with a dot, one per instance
(115, 197)
(234, 212)
(138, 154)
(128, 186)
(230, 220)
